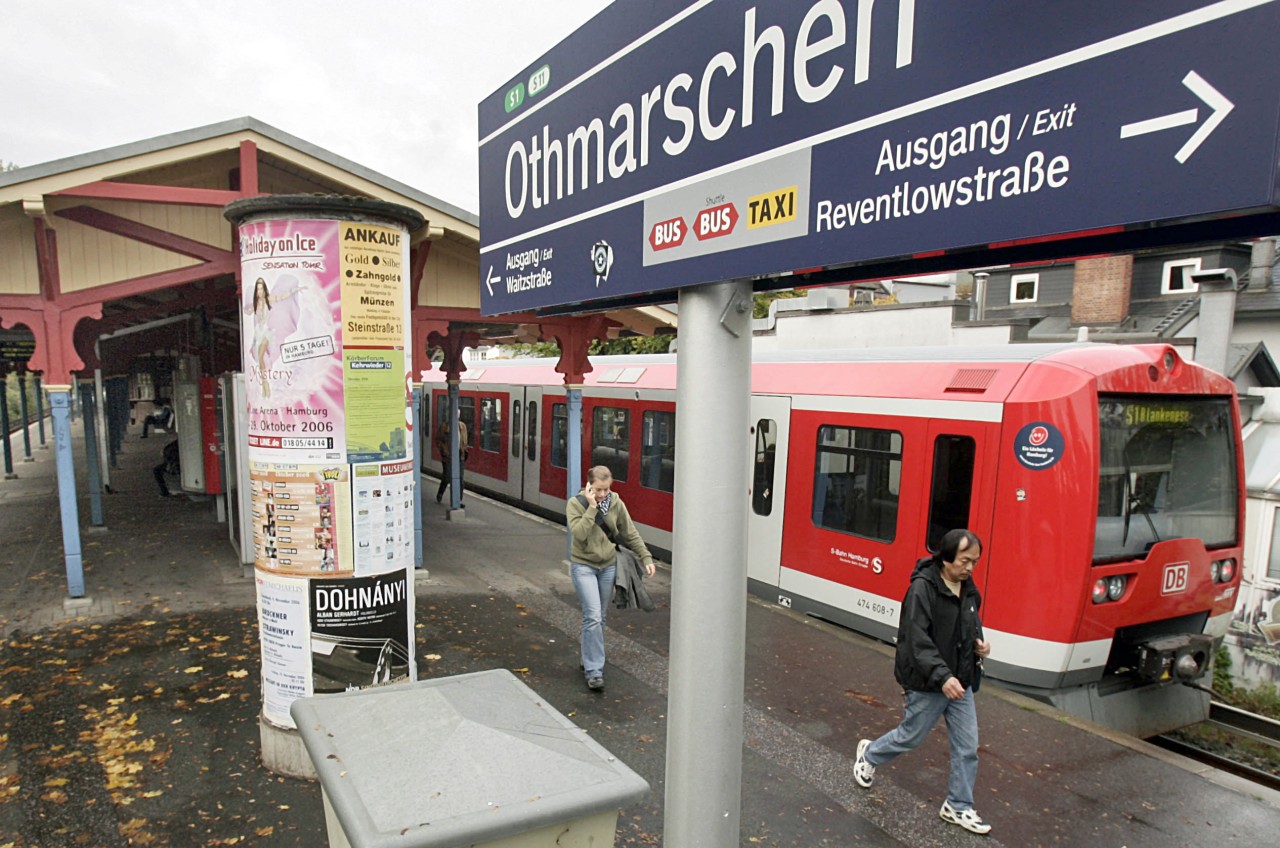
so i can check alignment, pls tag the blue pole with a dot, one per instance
(417, 477)
(91, 451)
(26, 419)
(60, 406)
(574, 474)
(109, 421)
(40, 411)
(4, 430)
(455, 450)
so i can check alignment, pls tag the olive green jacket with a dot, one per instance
(590, 544)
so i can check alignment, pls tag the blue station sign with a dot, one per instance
(667, 144)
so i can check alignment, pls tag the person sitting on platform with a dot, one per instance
(160, 418)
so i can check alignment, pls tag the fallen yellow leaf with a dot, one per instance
(193, 669)
(238, 673)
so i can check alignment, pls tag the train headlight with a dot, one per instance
(1115, 587)
(1215, 571)
(1100, 590)
(1228, 570)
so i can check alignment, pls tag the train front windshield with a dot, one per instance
(1167, 471)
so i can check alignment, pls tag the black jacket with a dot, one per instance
(930, 649)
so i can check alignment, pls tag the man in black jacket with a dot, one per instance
(939, 647)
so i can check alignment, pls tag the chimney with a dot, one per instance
(1217, 317)
(1100, 293)
(1260, 261)
(979, 302)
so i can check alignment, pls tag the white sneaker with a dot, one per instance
(968, 819)
(863, 771)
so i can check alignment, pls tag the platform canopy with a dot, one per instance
(123, 253)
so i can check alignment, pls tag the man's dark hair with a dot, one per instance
(950, 546)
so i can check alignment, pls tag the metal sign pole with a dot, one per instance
(709, 569)
(26, 419)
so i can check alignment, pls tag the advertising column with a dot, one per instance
(325, 350)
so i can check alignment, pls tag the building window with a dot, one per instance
(611, 440)
(1176, 279)
(658, 451)
(559, 435)
(762, 469)
(1024, 288)
(856, 480)
(1273, 561)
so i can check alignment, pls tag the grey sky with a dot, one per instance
(391, 84)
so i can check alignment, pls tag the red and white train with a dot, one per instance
(1105, 481)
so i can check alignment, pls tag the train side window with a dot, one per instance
(516, 429)
(611, 440)
(442, 413)
(466, 414)
(856, 481)
(952, 490)
(560, 435)
(491, 424)
(762, 469)
(658, 451)
(531, 449)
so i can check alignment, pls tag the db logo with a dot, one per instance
(1175, 578)
(1038, 436)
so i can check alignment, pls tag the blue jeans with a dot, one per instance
(595, 590)
(923, 709)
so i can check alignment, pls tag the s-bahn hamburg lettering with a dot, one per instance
(907, 127)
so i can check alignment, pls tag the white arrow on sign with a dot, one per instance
(1212, 98)
(489, 280)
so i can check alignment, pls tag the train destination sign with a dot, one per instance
(667, 144)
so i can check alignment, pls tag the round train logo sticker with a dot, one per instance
(1039, 445)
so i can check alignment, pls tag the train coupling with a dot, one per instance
(1181, 657)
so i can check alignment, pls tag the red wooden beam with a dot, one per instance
(417, 265)
(144, 233)
(144, 193)
(211, 299)
(462, 313)
(152, 282)
(248, 169)
(47, 260)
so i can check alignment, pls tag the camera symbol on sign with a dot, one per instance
(601, 261)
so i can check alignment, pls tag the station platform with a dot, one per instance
(132, 720)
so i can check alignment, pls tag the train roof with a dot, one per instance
(980, 373)
(936, 353)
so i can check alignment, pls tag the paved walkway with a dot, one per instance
(133, 722)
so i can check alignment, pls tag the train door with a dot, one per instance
(770, 417)
(961, 476)
(528, 447)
